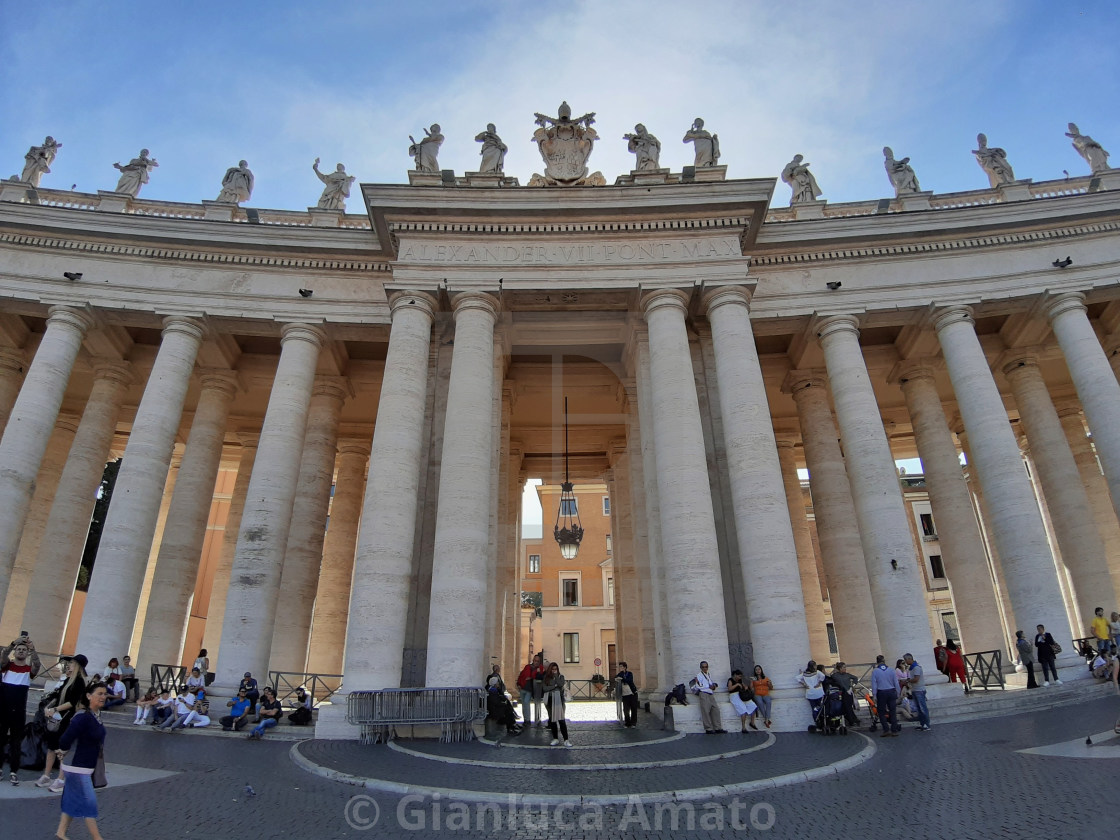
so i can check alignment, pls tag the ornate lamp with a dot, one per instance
(568, 531)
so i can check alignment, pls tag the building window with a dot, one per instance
(568, 507)
(534, 564)
(606, 506)
(571, 647)
(610, 592)
(830, 629)
(610, 544)
(570, 587)
(928, 530)
(937, 566)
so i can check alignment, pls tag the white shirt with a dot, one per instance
(117, 688)
(705, 683)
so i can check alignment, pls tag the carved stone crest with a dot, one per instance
(565, 145)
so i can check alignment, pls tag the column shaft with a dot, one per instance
(118, 577)
(30, 425)
(304, 554)
(456, 637)
(962, 546)
(767, 551)
(898, 587)
(12, 365)
(1013, 515)
(180, 550)
(261, 540)
(849, 592)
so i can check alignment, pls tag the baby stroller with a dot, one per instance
(859, 688)
(830, 715)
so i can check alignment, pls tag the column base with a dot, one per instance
(645, 178)
(790, 712)
(914, 201)
(808, 209)
(325, 218)
(114, 202)
(1107, 180)
(489, 179)
(13, 189)
(1015, 191)
(331, 723)
(218, 211)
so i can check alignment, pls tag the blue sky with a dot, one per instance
(280, 83)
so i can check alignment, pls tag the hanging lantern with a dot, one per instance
(568, 531)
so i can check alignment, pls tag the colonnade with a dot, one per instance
(279, 573)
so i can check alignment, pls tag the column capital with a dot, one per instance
(119, 372)
(1059, 304)
(193, 327)
(78, 319)
(248, 440)
(337, 387)
(1014, 359)
(737, 295)
(1067, 407)
(220, 380)
(836, 324)
(798, 380)
(659, 298)
(354, 446)
(302, 332)
(413, 301)
(478, 301)
(952, 315)
(13, 359)
(911, 369)
(786, 440)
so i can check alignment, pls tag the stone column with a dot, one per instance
(304, 554)
(643, 570)
(216, 609)
(893, 566)
(12, 365)
(457, 621)
(383, 563)
(180, 550)
(1100, 501)
(30, 425)
(767, 551)
(328, 627)
(627, 590)
(263, 535)
(1071, 514)
(849, 592)
(60, 555)
(1096, 384)
(118, 577)
(12, 610)
(966, 562)
(806, 556)
(1013, 515)
(688, 536)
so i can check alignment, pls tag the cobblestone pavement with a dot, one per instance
(964, 780)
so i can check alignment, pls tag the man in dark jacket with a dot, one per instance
(844, 681)
(629, 694)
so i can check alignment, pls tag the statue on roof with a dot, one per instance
(801, 181)
(565, 145)
(493, 151)
(134, 174)
(901, 173)
(646, 149)
(426, 152)
(993, 160)
(336, 187)
(1086, 146)
(237, 184)
(38, 161)
(705, 144)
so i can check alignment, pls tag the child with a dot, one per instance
(144, 707)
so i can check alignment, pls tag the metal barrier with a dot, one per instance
(170, 677)
(321, 687)
(1087, 647)
(378, 712)
(586, 690)
(985, 669)
(50, 668)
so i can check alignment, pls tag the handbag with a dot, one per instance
(99, 780)
(1056, 648)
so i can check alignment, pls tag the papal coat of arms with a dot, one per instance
(565, 145)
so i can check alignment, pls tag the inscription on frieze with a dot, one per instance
(638, 251)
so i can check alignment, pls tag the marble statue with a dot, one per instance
(237, 185)
(336, 187)
(646, 149)
(801, 181)
(134, 174)
(994, 162)
(705, 145)
(493, 151)
(39, 160)
(901, 173)
(1086, 146)
(426, 152)
(565, 145)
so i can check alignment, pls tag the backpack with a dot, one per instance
(694, 686)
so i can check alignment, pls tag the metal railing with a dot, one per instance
(378, 712)
(985, 669)
(50, 668)
(1087, 647)
(589, 690)
(170, 677)
(321, 687)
